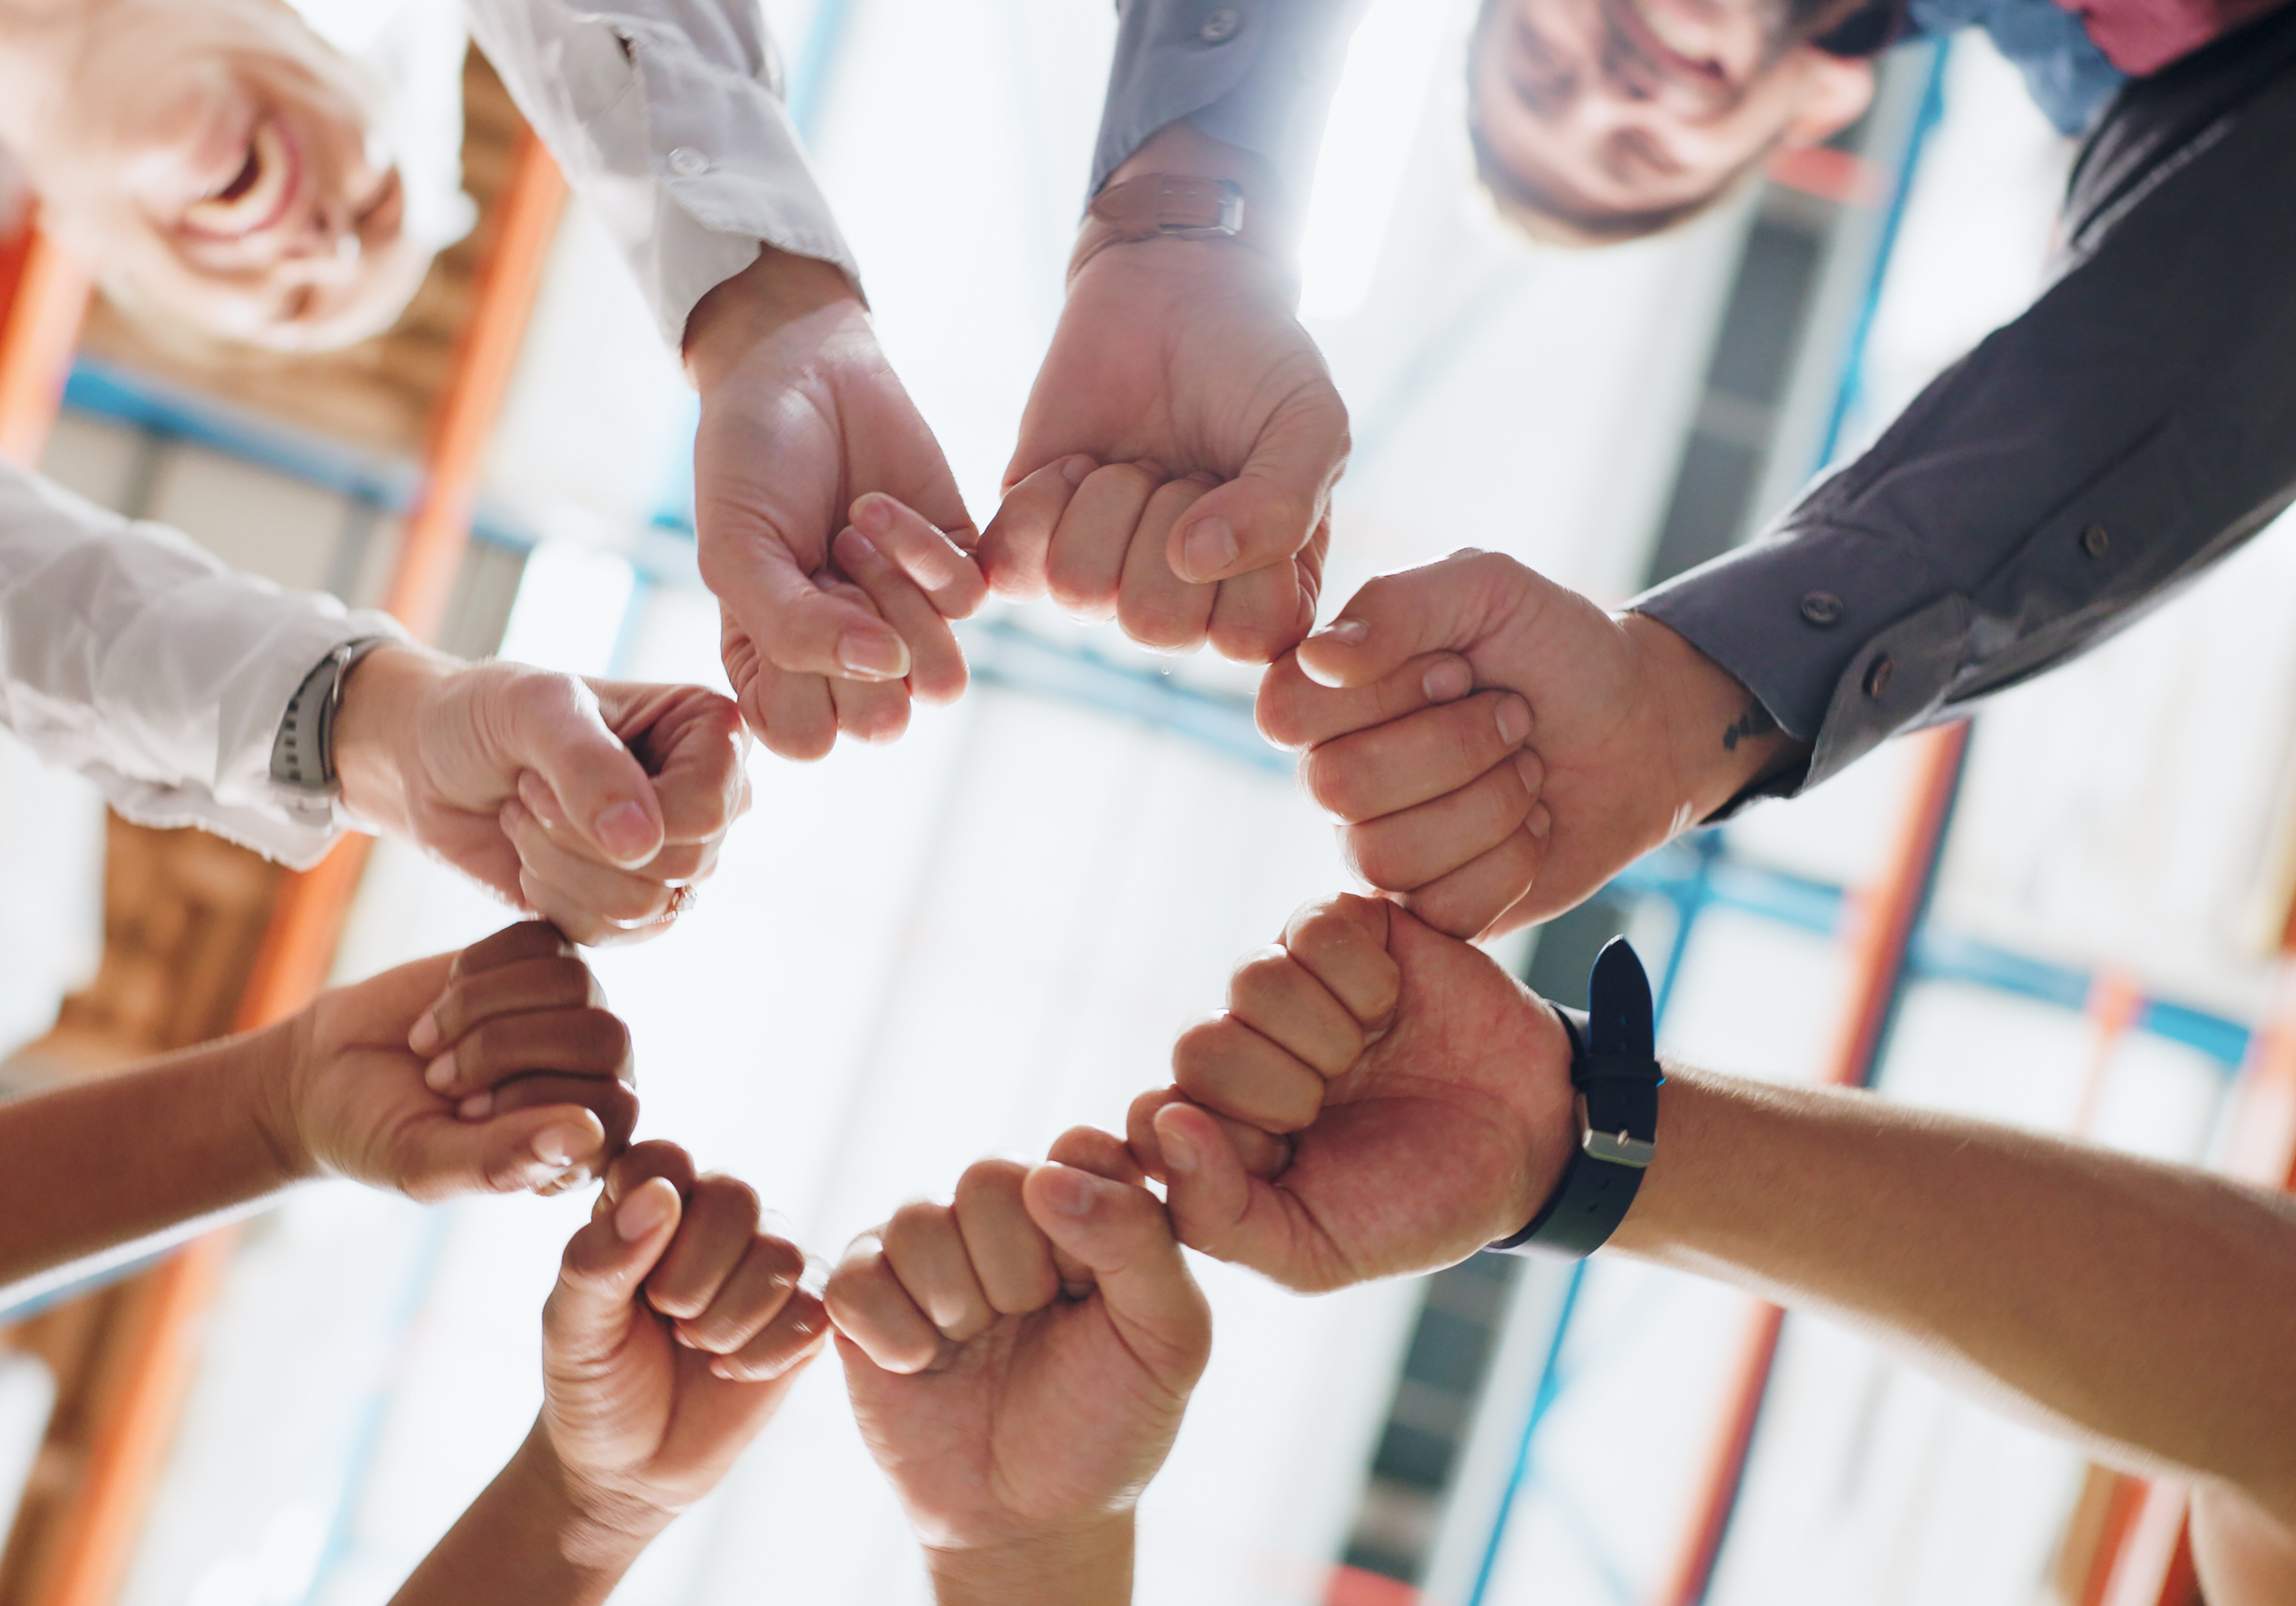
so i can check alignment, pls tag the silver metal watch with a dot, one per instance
(303, 751)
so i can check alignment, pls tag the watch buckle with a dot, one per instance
(1619, 1148)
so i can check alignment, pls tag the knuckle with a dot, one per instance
(912, 1221)
(782, 1262)
(985, 1177)
(732, 1197)
(1380, 857)
(1335, 784)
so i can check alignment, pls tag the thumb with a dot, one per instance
(1270, 510)
(1444, 607)
(600, 1274)
(1218, 1208)
(579, 775)
(1122, 1234)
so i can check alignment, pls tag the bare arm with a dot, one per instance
(2146, 1310)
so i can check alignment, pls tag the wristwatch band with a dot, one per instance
(1168, 205)
(1614, 1066)
(303, 751)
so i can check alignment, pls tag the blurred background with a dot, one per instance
(2069, 917)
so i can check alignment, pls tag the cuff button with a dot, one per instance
(1821, 608)
(1877, 677)
(2095, 539)
(687, 162)
(1219, 27)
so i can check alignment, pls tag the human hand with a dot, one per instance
(829, 527)
(591, 803)
(1592, 739)
(1377, 1100)
(490, 1070)
(676, 1328)
(1019, 1362)
(1210, 431)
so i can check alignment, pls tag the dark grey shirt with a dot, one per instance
(1256, 73)
(2134, 426)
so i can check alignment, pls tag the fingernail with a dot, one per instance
(1513, 720)
(624, 830)
(873, 514)
(1211, 548)
(860, 546)
(477, 1107)
(1533, 772)
(556, 1145)
(1179, 1151)
(440, 1074)
(1444, 681)
(1347, 632)
(1540, 821)
(680, 1334)
(422, 1037)
(871, 655)
(1067, 1192)
(1076, 471)
(644, 1212)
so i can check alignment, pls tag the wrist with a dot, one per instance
(1676, 1199)
(1082, 1565)
(385, 699)
(1547, 1107)
(1718, 737)
(589, 1529)
(743, 312)
(275, 1058)
(1181, 149)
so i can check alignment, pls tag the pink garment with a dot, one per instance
(2142, 37)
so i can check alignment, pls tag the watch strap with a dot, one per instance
(1171, 203)
(1614, 1068)
(303, 749)
(1174, 206)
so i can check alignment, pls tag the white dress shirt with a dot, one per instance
(131, 655)
(667, 116)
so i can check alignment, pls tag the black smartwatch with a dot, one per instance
(1614, 1067)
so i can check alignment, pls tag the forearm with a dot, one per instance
(526, 1541)
(2145, 1309)
(1090, 1567)
(114, 1166)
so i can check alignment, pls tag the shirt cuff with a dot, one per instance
(1817, 628)
(1257, 74)
(733, 175)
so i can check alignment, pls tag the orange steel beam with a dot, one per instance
(127, 1459)
(1880, 926)
(45, 300)
(431, 549)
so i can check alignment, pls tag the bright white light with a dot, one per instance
(571, 605)
(1390, 64)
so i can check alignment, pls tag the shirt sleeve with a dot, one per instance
(132, 656)
(667, 116)
(1255, 73)
(2137, 424)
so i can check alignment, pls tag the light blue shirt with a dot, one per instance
(2068, 76)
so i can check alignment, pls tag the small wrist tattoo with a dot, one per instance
(1756, 721)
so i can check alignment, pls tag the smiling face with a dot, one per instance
(211, 161)
(1612, 119)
